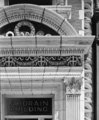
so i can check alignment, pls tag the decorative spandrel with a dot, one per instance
(39, 61)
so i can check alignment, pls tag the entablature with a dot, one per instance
(38, 51)
(39, 61)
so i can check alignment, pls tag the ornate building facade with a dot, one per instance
(46, 60)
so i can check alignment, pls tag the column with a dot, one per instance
(73, 91)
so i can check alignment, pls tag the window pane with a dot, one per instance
(38, 2)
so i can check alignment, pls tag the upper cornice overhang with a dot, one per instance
(36, 13)
(45, 45)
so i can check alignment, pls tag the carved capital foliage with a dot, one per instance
(73, 85)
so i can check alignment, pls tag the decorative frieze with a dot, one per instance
(41, 51)
(73, 85)
(39, 61)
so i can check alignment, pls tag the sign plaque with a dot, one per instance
(28, 106)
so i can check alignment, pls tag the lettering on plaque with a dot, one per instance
(28, 106)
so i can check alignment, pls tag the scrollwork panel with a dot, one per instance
(38, 61)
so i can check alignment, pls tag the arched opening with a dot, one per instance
(38, 14)
(27, 26)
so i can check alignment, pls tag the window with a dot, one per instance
(28, 108)
(37, 2)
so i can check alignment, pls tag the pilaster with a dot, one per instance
(88, 7)
(73, 98)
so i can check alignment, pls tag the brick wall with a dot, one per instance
(76, 6)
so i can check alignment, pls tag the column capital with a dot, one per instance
(73, 85)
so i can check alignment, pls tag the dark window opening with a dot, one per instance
(37, 2)
(37, 26)
(25, 29)
(22, 119)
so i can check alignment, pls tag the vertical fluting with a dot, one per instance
(72, 107)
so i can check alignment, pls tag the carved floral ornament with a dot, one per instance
(24, 23)
(73, 85)
(25, 28)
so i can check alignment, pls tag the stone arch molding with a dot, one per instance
(36, 13)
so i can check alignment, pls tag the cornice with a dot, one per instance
(39, 61)
(43, 45)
